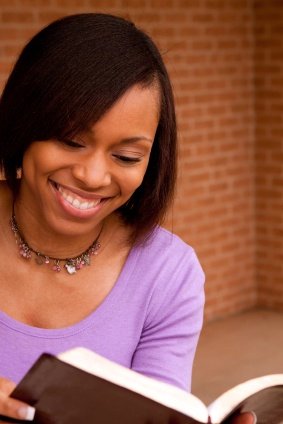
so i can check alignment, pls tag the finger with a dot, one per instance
(15, 409)
(6, 386)
(245, 418)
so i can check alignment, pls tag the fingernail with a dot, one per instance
(26, 412)
(255, 417)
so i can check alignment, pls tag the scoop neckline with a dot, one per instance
(98, 314)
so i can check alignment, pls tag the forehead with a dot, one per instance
(136, 111)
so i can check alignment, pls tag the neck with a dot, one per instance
(47, 242)
(71, 262)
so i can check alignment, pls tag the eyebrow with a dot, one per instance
(127, 140)
(130, 140)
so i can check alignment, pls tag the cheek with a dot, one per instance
(38, 161)
(28, 167)
(31, 168)
(133, 181)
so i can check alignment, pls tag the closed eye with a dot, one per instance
(71, 143)
(127, 159)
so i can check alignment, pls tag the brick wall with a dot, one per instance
(269, 151)
(208, 46)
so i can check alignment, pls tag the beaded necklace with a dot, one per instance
(71, 265)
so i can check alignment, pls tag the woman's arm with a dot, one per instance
(174, 319)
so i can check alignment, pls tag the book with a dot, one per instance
(80, 386)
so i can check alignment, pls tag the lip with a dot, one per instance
(71, 210)
(85, 196)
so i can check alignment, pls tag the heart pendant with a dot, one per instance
(71, 269)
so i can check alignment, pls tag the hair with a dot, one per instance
(66, 78)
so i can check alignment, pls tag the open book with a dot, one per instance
(80, 386)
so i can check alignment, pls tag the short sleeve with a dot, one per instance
(174, 320)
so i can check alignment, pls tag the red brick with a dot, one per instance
(71, 3)
(17, 17)
(230, 121)
(49, 16)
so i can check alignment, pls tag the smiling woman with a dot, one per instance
(87, 118)
(84, 180)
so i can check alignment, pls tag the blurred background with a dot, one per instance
(225, 58)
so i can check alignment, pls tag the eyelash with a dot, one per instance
(125, 159)
(71, 143)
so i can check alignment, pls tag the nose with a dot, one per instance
(93, 170)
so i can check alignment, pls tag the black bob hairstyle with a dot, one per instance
(66, 78)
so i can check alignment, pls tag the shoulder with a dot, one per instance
(176, 288)
(170, 260)
(162, 245)
(162, 238)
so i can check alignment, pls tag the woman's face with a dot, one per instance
(81, 181)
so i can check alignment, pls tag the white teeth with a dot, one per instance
(95, 203)
(76, 203)
(83, 205)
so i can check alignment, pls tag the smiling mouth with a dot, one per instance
(75, 200)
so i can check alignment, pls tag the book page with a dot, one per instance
(266, 404)
(248, 396)
(160, 392)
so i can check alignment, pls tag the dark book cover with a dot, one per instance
(63, 394)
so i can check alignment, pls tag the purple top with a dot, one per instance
(150, 321)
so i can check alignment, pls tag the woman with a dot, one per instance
(88, 151)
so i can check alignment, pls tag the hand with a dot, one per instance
(245, 418)
(11, 407)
